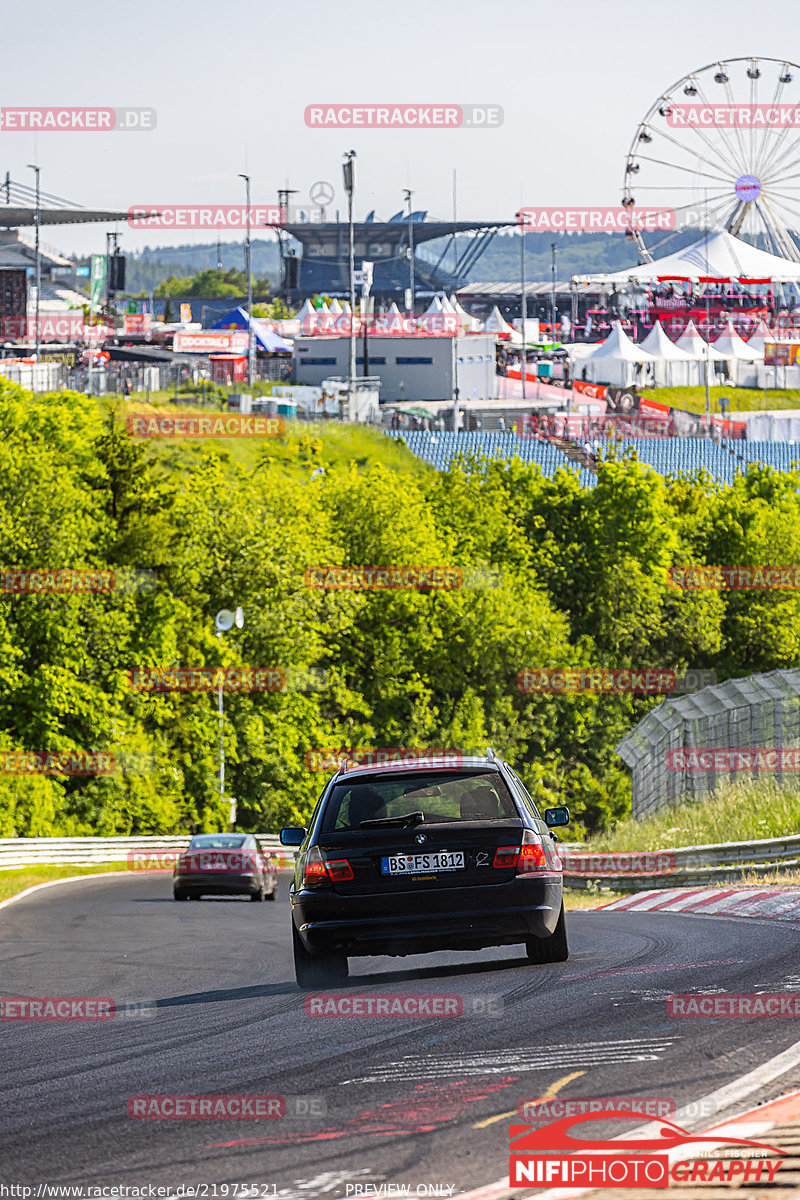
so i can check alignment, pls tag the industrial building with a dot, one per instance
(416, 368)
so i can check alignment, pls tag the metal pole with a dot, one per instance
(37, 219)
(523, 301)
(554, 252)
(408, 195)
(455, 235)
(250, 339)
(349, 185)
(221, 729)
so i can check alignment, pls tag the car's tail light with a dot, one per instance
(531, 858)
(525, 859)
(317, 869)
(506, 856)
(314, 870)
(339, 870)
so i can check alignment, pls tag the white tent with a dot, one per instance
(467, 321)
(335, 307)
(447, 306)
(674, 367)
(730, 345)
(760, 335)
(692, 341)
(618, 361)
(306, 311)
(435, 306)
(496, 323)
(717, 256)
(393, 310)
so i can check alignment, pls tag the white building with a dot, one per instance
(416, 368)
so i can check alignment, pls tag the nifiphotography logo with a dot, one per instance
(552, 1157)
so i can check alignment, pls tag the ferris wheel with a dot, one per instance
(721, 148)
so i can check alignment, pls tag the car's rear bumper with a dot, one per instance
(213, 884)
(463, 918)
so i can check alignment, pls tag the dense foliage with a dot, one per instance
(553, 576)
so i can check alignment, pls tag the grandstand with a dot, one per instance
(668, 456)
(439, 449)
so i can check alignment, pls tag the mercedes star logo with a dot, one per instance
(321, 192)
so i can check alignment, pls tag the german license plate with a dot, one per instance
(412, 864)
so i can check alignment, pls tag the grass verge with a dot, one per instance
(736, 812)
(17, 880)
(693, 399)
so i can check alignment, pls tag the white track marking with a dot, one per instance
(518, 1060)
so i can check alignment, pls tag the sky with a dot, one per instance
(230, 84)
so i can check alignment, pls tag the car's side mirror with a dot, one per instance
(293, 836)
(556, 816)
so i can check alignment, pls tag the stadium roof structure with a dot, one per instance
(324, 262)
(18, 208)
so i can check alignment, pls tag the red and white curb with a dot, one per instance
(775, 903)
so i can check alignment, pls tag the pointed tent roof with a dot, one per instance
(717, 255)
(435, 306)
(760, 335)
(732, 346)
(335, 307)
(447, 306)
(496, 323)
(619, 346)
(393, 310)
(306, 311)
(695, 345)
(658, 343)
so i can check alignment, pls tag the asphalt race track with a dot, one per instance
(406, 1100)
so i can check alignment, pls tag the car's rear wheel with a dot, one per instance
(273, 895)
(179, 894)
(258, 896)
(553, 948)
(313, 971)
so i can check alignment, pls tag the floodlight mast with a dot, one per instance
(224, 621)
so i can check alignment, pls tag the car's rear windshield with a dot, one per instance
(440, 796)
(217, 841)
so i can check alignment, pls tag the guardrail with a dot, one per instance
(686, 866)
(92, 851)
